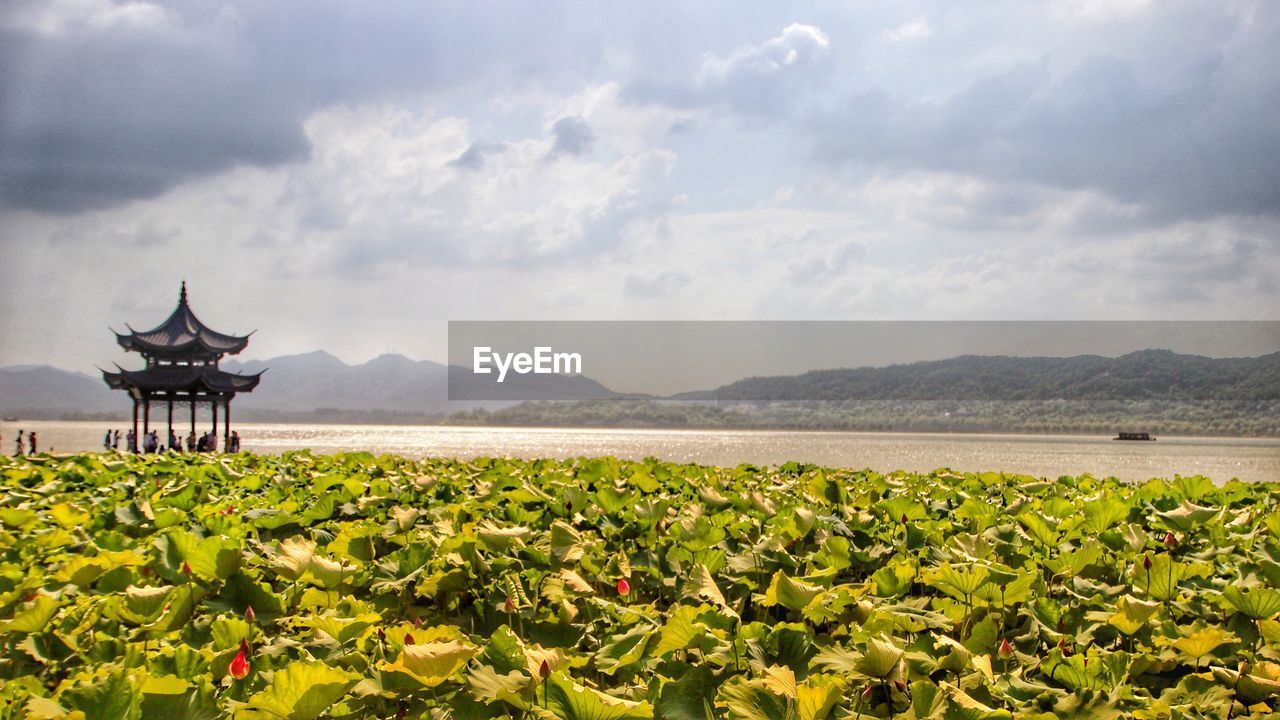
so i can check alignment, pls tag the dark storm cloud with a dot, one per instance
(1200, 146)
(128, 116)
(91, 117)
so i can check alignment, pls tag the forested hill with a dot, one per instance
(1149, 374)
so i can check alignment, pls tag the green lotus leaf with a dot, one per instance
(690, 697)
(1077, 561)
(143, 605)
(817, 696)
(952, 655)
(1199, 642)
(566, 542)
(970, 708)
(959, 581)
(681, 631)
(487, 686)
(894, 579)
(228, 631)
(1073, 672)
(1187, 516)
(502, 539)
(1040, 528)
(17, 518)
(342, 629)
(111, 697)
(1259, 603)
(1160, 581)
(899, 506)
(1101, 514)
(1130, 616)
(571, 701)
(702, 586)
(880, 659)
(327, 573)
(168, 696)
(504, 651)
(211, 558)
(779, 680)
(1005, 588)
(302, 690)
(180, 606)
(747, 699)
(830, 605)
(789, 593)
(34, 616)
(625, 650)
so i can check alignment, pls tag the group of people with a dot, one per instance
(208, 442)
(26, 443)
(29, 447)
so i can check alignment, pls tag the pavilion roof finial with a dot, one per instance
(182, 294)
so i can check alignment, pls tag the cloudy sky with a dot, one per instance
(351, 176)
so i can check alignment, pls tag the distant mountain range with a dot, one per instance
(387, 388)
(318, 385)
(1148, 374)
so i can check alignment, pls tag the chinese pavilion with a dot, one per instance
(182, 357)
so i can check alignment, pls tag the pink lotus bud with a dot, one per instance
(1006, 649)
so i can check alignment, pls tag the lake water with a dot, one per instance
(1040, 455)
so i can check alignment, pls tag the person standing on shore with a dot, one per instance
(115, 442)
(191, 441)
(131, 442)
(31, 441)
(106, 441)
(17, 443)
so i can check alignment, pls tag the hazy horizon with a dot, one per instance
(636, 357)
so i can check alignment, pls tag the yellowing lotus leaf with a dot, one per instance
(434, 662)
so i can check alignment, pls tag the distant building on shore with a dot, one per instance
(182, 356)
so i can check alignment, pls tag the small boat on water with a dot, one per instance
(1133, 436)
(10, 418)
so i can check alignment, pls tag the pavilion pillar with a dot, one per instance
(146, 415)
(193, 413)
(166, 439)
(226, 425)
(134, 447)
(213, 406)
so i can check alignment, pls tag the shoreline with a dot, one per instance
(126, 421)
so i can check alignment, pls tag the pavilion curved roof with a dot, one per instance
(181, 378)
(182, 334)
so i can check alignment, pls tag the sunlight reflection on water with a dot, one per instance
(1039, 455)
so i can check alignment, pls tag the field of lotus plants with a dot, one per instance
(355, 586)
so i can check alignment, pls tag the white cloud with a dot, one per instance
(797, 46)
(917, 29)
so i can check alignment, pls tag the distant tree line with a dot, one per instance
(1215, 418)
